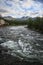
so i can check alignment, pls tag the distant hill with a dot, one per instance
(8, 17)
(11, 18)
(18, 19)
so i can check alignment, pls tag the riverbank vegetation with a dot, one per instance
(36, 24)
(16, 22)
(32, 23)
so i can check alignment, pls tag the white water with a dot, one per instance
(23, 43)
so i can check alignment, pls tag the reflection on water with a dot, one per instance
(23, 43)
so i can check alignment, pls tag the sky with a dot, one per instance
(21, 8)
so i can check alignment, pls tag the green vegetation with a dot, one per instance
(16, 22)
(33, 23)
(36, 24)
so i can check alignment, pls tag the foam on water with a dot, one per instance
(23, 43)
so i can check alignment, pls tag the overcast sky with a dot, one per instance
(19, 8)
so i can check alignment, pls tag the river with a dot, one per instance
(22, 43)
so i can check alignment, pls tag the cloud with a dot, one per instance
(41, 1)
(8, 3)
(3, 11)
(19, 8)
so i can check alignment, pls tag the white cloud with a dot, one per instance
(19, 8)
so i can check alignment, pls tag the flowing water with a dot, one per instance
(22, 43)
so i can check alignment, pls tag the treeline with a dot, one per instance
(36, 23)
(33, 23)
(16, 22)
